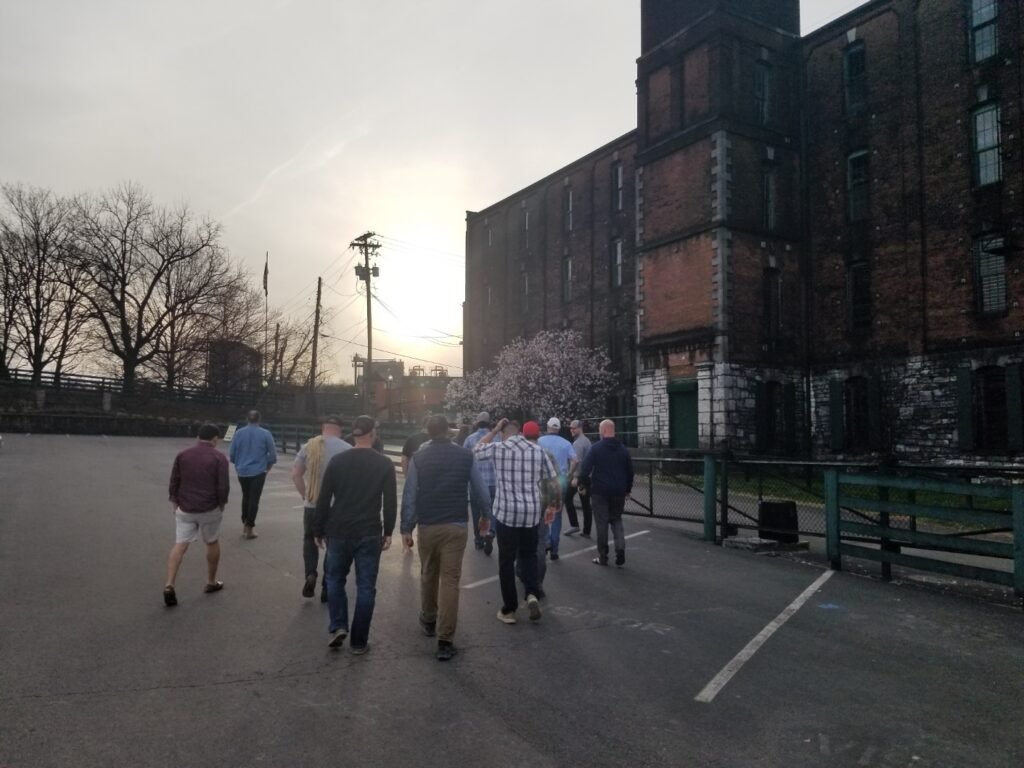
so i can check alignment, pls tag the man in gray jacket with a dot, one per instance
(439, 476)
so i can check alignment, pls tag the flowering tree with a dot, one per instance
(553, 374)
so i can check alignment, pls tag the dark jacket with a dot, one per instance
(199, 479)
(609, 468)
(358, 484)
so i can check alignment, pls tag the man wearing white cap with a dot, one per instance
(565, 460)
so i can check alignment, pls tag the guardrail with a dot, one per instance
(882, 514)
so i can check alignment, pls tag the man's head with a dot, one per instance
(483, 419)
(607, 428)
(576, 427)
(510, 429)
(331, 426)
(531, 430)
(437, 427)
(254, 417)
(209, 433)
(364, 430)
(554, 426)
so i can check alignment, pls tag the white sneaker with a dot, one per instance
(533, 606)
(506, 618)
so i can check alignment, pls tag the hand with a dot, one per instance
(321, 542)
(575, 483)
(501, 425)
(485, 526)
(385, 544)
(549, 514)
(407, 542)
(174, 507)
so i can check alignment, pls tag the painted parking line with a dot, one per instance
(578, 552)
(720, 680)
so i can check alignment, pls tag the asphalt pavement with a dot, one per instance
(691, 655)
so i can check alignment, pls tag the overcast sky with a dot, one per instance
(300, 124)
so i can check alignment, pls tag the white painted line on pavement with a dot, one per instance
(491, 579)
(720, 680)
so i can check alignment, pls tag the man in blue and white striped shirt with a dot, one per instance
(525, 494)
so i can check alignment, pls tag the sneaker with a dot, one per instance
(445, 650)
(599, 561)
(620, 557)
(541, 594)
(554, 555)
(248, 532)
(309, 588)
(338, 638)
(429, 627)
(488, 545)
(585, 534)
(170, 598)
(533, 606)
(507, 618)
(479, 544)
(358, 650)
(571, 531)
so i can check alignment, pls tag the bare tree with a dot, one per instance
(130, 254)
(43, 306)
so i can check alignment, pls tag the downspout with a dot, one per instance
(922, 194)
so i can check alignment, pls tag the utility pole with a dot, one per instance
(316, 340)
(367, 246)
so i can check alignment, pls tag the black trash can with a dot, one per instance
(778, 521)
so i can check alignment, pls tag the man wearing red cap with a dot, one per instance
(527, 491)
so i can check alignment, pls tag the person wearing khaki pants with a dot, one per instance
(439, 477)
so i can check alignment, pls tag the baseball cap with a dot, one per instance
(363, 425)
(482, 417)
(531, 429)
(554, 423)
(332, 419)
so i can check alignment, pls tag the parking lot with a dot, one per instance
(691, 655)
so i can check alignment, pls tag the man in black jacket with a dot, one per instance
(357, 485)
(609, 469)
(437, 480)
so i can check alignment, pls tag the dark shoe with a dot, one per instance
(309, 588)
(445, 650)
(358, 650)
(533, 606)
(489, 545)
(571, 531)
(337, 638)
(217, 586)
(429, 628)
(585, 534)
(541, 594)
(554, 555)
(620, 557)
(478, 544)
(599, 561)
(170, 598)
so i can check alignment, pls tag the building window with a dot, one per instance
(855, 78)
(858, 295)
(990, 266)
(567, 279)
(858, 186)
(615, 267)
(567, 212)
(525, 303)
(858, 422)
(772, 304)
(762, 91)
(990, 413)
(984, 29)
(768, 199)
(618, 188)
(988, 161)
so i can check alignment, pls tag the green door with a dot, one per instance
(682, 415)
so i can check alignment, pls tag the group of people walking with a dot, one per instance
(516, 482)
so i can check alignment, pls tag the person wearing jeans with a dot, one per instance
(609, 469)
(564, 455)
(357, 487)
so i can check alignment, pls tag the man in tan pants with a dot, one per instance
(434, 499)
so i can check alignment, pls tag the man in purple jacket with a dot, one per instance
(198, 492)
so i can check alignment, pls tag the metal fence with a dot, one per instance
(778, 498)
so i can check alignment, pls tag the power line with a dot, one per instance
(392, 352)
(407, 246)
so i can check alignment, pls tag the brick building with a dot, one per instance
(822, 237)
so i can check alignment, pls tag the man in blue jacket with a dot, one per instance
(439, 476)
(609, 469)
(253, 454)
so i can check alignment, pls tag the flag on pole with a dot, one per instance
(266, 273)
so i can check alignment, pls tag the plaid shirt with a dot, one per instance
(519, 467)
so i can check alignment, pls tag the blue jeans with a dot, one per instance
(341, 553)
(477, 538)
